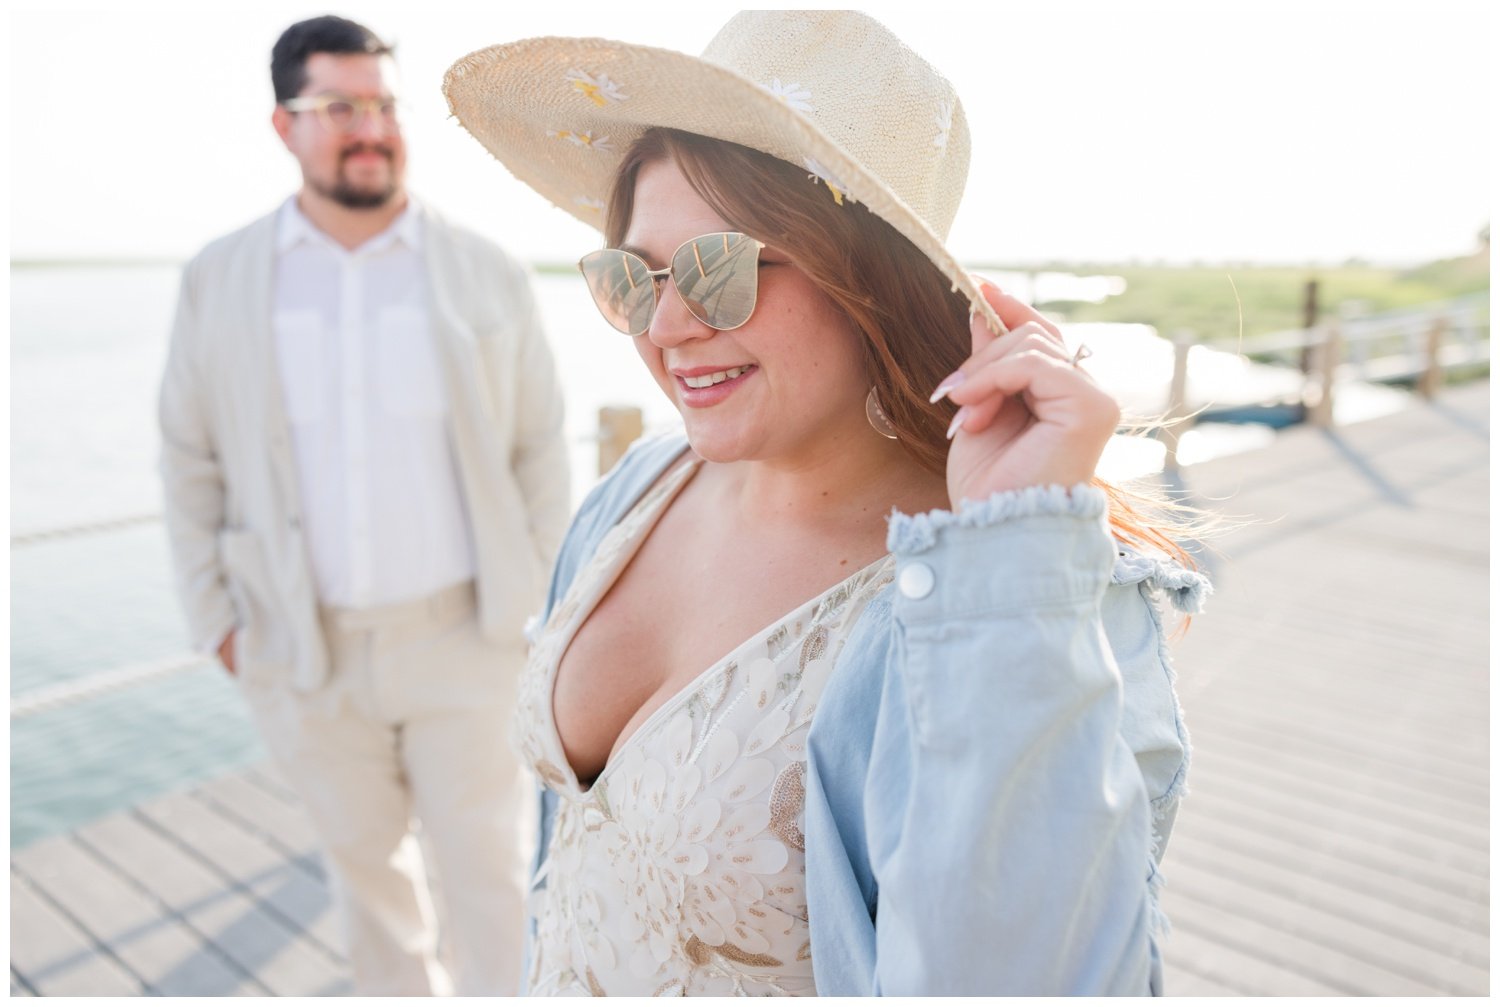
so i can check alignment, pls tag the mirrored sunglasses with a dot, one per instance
(716, 275)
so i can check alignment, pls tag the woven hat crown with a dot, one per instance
(881, 104)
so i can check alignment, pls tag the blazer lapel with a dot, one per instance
(262, 369)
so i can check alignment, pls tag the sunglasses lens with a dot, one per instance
(716, 277)
(621, 287)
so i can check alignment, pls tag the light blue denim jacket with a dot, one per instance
(996, 761)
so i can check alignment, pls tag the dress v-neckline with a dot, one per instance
(660, 499)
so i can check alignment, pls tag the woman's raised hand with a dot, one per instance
(1028, 415)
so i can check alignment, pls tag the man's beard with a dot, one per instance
(350, 197)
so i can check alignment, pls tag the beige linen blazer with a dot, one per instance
(231, 499)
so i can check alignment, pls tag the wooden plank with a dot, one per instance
(1288, 860)
(268, 778)
(1181, 981)
(1358, 924)
(283, 825)
(1255, 817)
(1291, 756)
(1247, 971)
(250, 863)
(50, 955)
(1451, 830)
(1368, 755)
(1308, 968)
(1468, 868)
(261, 943)
(169, 958)
(1264, 713)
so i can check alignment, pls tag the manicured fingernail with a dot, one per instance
(947, 385)
(958, 418)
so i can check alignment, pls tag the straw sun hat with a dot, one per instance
(833, 92)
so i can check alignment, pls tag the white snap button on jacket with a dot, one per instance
(916, 580)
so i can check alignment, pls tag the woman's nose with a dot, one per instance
(673, 324)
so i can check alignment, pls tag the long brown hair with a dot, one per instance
(915, 326)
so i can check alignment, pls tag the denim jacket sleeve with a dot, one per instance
(992, 773)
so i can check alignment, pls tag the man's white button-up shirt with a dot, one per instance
(382, 507)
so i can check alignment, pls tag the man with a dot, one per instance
(366, 480)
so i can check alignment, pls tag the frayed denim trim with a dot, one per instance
(918, 533)
(1186, 589)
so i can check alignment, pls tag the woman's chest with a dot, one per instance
(683, 603)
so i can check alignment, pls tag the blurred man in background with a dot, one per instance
(366, 480)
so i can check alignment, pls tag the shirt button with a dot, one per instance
(917, 580)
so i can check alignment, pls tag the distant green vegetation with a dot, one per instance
(1213, 301)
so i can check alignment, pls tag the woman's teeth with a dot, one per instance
(717, 377)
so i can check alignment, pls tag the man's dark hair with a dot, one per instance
(320, 34)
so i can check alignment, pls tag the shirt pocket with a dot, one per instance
(301, 358)
(406, 365)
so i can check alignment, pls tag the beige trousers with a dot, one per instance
(413, 722)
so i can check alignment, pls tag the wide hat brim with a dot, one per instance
(560, 113)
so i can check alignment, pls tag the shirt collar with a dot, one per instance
(293, 228)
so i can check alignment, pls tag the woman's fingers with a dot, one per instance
(1014, 313)
(1028, 336)
(1054, 391)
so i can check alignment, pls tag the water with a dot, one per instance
(87, 348)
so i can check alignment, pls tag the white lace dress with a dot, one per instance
(680, 871)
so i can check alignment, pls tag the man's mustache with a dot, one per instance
(367, 148)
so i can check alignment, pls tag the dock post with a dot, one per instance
(1431, 378)
(1309, 321)
(619, 426)
(1320, 411)
(1176, 422)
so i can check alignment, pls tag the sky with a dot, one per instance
(1204, 131)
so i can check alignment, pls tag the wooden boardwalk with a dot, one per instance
(1336, 835)
(1335, 841)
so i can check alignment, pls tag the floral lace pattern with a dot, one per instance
(681, 870)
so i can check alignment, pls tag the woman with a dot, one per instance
(793, 739)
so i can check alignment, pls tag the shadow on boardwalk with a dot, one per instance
(1335, 840)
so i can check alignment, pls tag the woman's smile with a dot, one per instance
(701, 387)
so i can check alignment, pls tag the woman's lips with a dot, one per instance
(712, 386)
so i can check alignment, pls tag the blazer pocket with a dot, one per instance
(406, 364)
(259, 640)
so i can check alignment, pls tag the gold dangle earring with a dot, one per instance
(877, 417)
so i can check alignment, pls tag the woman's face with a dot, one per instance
(799, 385)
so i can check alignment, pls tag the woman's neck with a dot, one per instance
(838, 481)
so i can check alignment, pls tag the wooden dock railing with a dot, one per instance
(1420, 345)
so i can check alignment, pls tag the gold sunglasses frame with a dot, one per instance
(655, 274)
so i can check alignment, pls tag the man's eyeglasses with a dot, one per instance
(344, 115)
(716, 275)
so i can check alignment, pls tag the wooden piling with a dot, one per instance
(1431, 378)
(619, 427)
(1330, 352)
(1177, 422)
